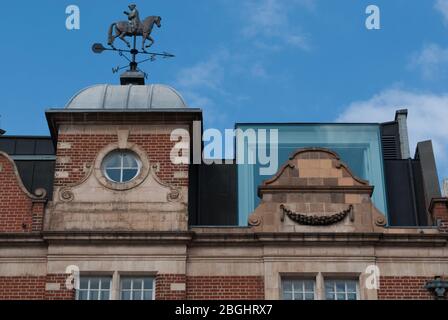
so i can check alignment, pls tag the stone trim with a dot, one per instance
(315, 220)
(122, 145)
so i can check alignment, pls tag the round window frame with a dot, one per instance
(121, 153)
(141, 158)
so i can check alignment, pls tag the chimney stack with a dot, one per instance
(445, 188)
(401, 116)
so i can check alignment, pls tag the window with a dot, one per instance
(341, 289)
(298, 289)
(121, 166)
(132, 288)
(94, 288)
(358, 145)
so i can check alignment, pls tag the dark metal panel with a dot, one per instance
(213, 195)
(26, 172)
(25, 146)
(7, 145)
(431, 184)
(37, 174)
(44, 146)
(390, 140)
(423, 215)
(405, 196)
(43, 176)
(399, 193)
(193, 195)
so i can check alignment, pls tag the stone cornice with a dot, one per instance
(323, 239)
(20, 239)
(233, 238)
(114, 237)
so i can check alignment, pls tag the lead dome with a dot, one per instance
(122, 97)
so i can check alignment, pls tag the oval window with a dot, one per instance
(121, 166)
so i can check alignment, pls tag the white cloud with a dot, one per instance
(442, 7)
(427, 119)
(270, 20)
(432, 61)
(206, 74)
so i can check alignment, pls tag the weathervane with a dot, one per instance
(134, 27)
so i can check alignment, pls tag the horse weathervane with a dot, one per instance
(134, 28)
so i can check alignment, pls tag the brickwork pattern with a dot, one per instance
(404, 288)
(18, 212)
(225, 288)
(81, 149)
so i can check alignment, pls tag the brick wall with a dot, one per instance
(62, 293)
(404, 288)
(76, 150)
(164, 287)
(439, 213)
(35, 288)
(18, 212)
(225, 288)
(22, 288)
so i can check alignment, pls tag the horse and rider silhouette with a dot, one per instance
(142, 28)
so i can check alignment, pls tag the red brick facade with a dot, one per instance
(18, 212)
(404, 288)
(163, 287)
(83, 149)
(34, 288)
(225, 288)
(439, 212)
(23, 288)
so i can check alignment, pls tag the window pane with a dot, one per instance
(137, 295)
(340, 286)
(309, 296)
(351, 286)
(138, 284)
(298, 296)
(147, 295)
(105, 295)
(330, 296)
(126, 284)
(287, 295)
(126, 295)
(341, 296)
(82, 295)
(129, 161)
(94, 283)
(93, 295)
(287, 286)
(309, 286)
(148, 283)
(113, 161)
(113, 174)
(105, 283)
(129, 174)
(352, 296)
(83, 283)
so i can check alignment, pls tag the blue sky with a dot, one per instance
(243, 61)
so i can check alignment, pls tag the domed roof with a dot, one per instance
(155, 96)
